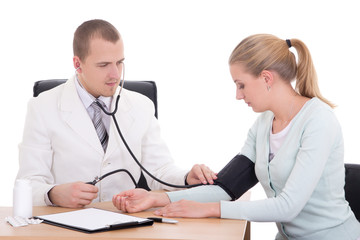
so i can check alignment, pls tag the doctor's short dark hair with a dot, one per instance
(88, 30)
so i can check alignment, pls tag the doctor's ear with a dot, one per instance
(77, 65)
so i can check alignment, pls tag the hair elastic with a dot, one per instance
(288, 42)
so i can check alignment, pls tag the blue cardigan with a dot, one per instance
(304, 182)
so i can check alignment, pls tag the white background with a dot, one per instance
(183, 46)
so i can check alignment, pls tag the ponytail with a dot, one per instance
(306, 77)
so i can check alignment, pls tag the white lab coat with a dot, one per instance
(60, 144)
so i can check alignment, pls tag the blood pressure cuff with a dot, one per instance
(237, 176)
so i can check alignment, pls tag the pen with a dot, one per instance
(162, 220)
(122, 224)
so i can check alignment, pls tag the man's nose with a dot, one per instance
(115, 72)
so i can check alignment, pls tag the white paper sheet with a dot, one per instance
(91, 218)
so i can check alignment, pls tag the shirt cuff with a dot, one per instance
(47, 199)
(186, 175)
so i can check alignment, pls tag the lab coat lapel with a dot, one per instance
(75, 115)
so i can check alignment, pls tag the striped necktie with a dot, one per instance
(99, 126)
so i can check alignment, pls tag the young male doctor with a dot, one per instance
(68, 141)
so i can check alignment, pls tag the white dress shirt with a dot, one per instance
(87, 99)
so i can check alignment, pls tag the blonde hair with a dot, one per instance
(267, 52)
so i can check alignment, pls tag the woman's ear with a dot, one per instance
(268, 78)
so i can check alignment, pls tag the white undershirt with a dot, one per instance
(276, 140)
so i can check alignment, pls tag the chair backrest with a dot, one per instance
(147, 88)
(352, 187)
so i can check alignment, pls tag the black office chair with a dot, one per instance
(352, 187)
(147, 88)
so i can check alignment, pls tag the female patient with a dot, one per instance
(295, 146)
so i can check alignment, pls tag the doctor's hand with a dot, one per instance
(201, 174)
(137, 200)
(190, 209)
(73, 195)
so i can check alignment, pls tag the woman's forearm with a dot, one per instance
(206, 193)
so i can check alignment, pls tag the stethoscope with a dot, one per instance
(112, 114)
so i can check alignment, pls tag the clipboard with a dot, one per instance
(91, 220)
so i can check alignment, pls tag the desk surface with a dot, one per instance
(186, 228)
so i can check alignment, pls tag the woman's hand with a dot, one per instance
(191, 209)
(137, 200)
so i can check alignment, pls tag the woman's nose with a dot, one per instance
(239, 94)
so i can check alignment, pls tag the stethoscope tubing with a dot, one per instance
(112, 114)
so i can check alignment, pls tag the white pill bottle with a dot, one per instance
(22, 198)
